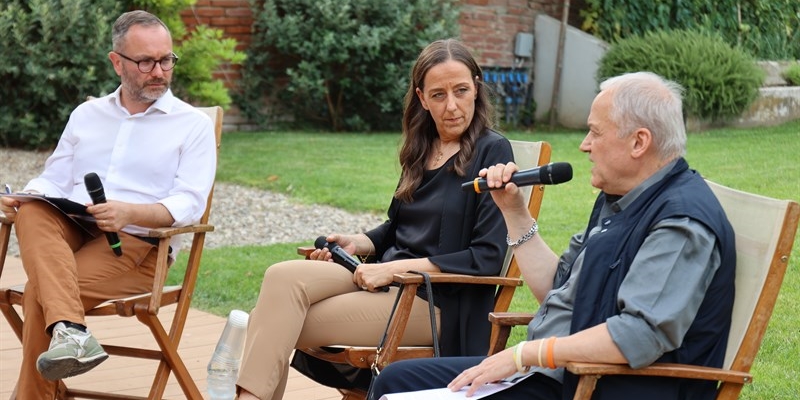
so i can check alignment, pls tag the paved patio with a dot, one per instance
(130, 376)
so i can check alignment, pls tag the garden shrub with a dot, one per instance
(339, 64)
(720, 81)
(55, 53)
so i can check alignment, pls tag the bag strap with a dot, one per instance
(431, 309)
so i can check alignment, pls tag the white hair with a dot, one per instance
(647, 100)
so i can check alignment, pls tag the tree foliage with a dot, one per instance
(341, 64)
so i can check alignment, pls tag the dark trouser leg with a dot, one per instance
(421, 374)
(432, 373)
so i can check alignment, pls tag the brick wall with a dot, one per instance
(489, 27)
(234, 18)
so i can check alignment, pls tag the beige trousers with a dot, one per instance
(306, 303)
(68, 272)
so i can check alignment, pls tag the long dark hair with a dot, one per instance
(419, 129)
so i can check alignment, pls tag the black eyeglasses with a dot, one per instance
(145, 66)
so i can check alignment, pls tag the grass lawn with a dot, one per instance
(358, 172)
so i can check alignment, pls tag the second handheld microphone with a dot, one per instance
(341, 257)
(95, 188)
(338, 254)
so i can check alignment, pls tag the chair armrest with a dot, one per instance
(661, 369)
(306, 251)
(162, 265)
(165, 232)
(443, 277)
(510, 318)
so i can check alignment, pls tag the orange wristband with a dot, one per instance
(551, 362)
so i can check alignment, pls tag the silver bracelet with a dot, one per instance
(525, 237)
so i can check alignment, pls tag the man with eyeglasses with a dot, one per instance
(156, 158)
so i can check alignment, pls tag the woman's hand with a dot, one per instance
(346, 242)
(372, 276)
(492, 369)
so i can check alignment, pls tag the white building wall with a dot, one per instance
(578, 87)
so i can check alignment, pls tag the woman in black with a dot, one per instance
(432, 226)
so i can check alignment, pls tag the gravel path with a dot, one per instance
(241, 216)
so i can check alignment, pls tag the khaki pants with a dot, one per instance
(315, 303)
(69, 271)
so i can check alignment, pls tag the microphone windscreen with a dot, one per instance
(560, 172)
(320, 242)
(92, 181)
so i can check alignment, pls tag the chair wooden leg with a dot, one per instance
(171, 361)
(5, 236)
(11, 315)
(499, 338)
(729, 391)
(61, 391)
(586, 385)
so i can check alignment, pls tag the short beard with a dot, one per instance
(140, 94)
(151, 94)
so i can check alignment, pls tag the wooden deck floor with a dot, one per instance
(130, 376)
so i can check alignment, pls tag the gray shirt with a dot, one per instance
(658, 298)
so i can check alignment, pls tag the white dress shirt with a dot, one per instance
(165, 155)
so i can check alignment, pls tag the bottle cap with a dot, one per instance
(238, 318)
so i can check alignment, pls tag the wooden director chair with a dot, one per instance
(144, 307)
(765, 229)
(527, 155)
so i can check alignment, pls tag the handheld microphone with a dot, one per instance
(341, 257)
(98, 195)
(550, 174)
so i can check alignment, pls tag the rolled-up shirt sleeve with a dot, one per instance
(663, 290)
(193, 180)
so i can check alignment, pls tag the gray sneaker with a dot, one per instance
(71, 353)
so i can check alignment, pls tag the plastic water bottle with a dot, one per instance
(223, 369)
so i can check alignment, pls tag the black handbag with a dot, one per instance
(345, 376)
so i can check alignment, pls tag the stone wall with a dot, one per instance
(777, 102)
(489, 27)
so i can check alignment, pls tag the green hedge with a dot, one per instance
(720, 81)
(338, 64)
(55, 53)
